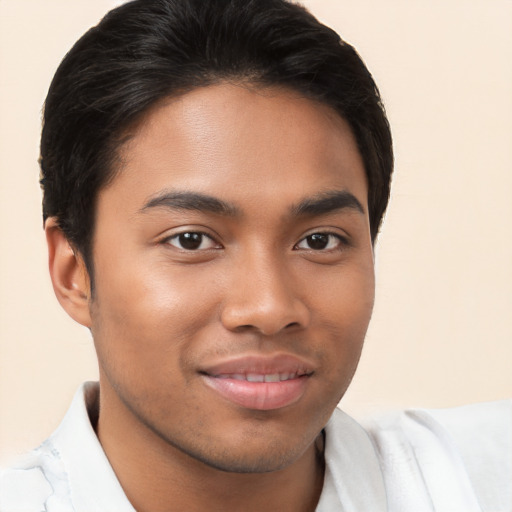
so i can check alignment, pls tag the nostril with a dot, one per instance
(249, 327)
(243, 328)
(267, 317)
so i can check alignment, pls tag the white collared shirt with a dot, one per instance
(453, 460)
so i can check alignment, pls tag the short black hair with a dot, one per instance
(146, 50)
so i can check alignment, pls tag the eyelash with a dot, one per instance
(342, 241)
(184, 233)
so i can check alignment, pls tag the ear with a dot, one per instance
(69, 275)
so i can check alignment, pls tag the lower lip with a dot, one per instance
(262, 396)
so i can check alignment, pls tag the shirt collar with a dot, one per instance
(353, 473)
(352, 482)
(94, 485)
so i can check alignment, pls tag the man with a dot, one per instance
(214, 176)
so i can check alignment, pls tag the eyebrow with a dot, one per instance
(327, 202)
(191, 201)
(320, 204)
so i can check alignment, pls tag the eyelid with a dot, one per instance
(344, 240)
(181, 231)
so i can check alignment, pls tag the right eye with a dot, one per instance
(192, 241)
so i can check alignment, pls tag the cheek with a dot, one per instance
(155, 298)
(342, 320)
(144, 320)
(347, 296)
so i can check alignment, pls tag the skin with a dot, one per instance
(255, 285)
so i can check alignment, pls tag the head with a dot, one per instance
(217, 171)
(143, 52)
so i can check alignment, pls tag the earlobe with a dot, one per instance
(68, 273)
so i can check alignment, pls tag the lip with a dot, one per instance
(288, 375)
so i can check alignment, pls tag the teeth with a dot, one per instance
(259, 377)
(255, 377)
(288, 376)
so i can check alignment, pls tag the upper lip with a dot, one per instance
(260, 364)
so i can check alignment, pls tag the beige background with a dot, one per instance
(442, 328)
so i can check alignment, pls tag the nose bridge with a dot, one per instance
(263, 295)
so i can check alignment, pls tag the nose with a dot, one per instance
(264, 297)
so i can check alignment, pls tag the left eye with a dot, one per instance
(192, 241)
(320, 242)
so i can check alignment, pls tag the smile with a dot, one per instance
(260, 383)
(258, 377)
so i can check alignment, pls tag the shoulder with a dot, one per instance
(69, 471)
(38, 481)
(462, 454)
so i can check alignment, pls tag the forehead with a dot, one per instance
(233, 139)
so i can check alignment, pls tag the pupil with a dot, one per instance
(190, 240)
(318, 241)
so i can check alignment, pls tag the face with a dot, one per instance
(233, 274)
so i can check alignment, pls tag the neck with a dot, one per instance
(158, 477)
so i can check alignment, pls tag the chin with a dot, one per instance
(247, 457)
(243, 464)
